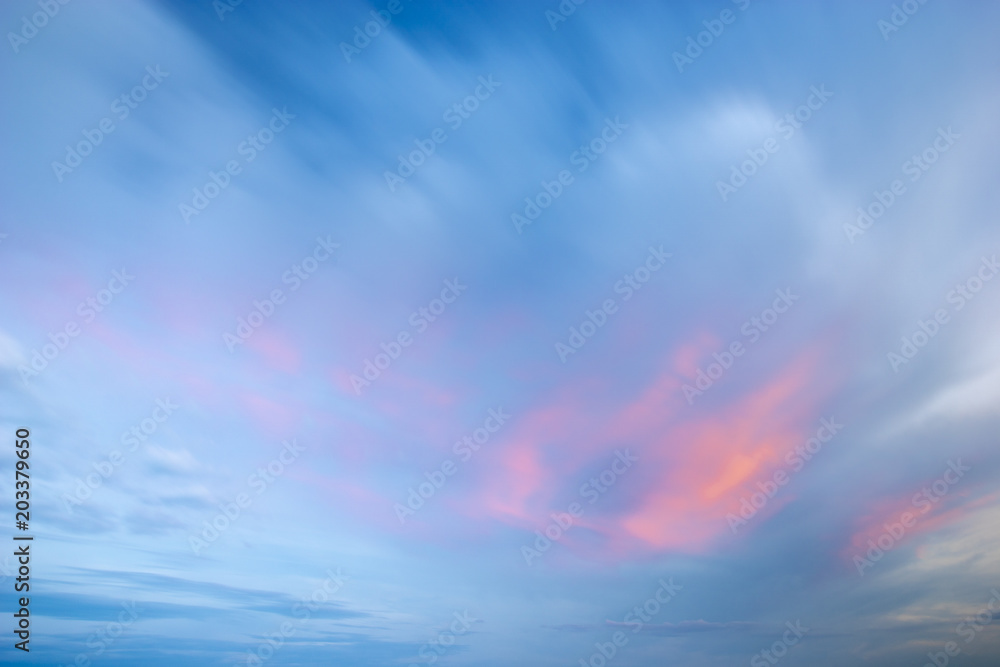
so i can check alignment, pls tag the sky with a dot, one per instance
(532, 333)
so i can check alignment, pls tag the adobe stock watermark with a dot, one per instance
(564, 10)
(248, 149)
(419, 320)
(636, 619)
(758, 157)
(363, 38)
(967, 629)
(454, 115)
(231, 511)
(779, 649)
(899, 17)
(923, 501)
(581, 158)
(132, 438)
(223, 7)
(122, 107)
(87, 310)
(796, 460)
(302, 611)
(106, 636)
(961, 295)
(915, 167)
(713, 30)
(595, 319)
(753, 329)
(592, 489)
(464, 449)
(30, 27)
(439, 645)
(295, 276)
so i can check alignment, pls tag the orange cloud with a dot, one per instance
(692, 470)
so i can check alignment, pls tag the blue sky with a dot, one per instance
(461, 344)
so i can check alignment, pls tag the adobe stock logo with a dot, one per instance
(138, 434)
(629, 284)
(122, 106)
(966, 629)
(38, 21)
(420, 319)
(232, 510)
(455, 115)
(713, 30)
(961, 295)
(446, 638)
(752, 329)
(249, 149)
(636, 619)
(566, 9)
(438, 477)
(915, 168)
(787, 126)
(302, 611)
(103, 639)
(924, 501)
(221, 7)
(592, 489)
(363, 38)
(581, 158)
(899, 17)
(61, 339)
(265, 308)
(796, 459)
(779, 649)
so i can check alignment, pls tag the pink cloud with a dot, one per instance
(693, 468)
